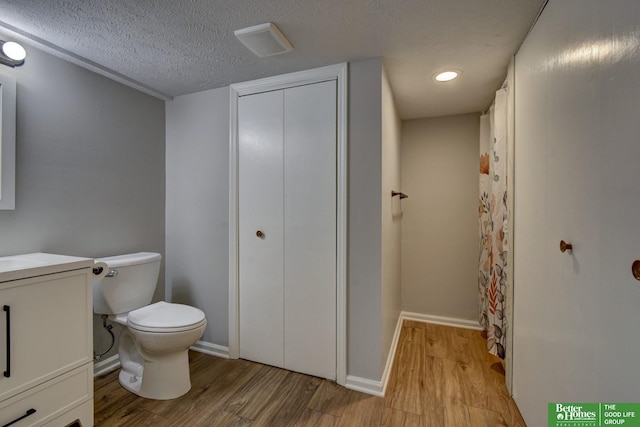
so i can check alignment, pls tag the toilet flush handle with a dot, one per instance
(112, 273)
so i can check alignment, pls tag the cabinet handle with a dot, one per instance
(29, 412)
(7, 310)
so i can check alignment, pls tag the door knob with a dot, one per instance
(564, 246)
(635, 269)
(260, 234)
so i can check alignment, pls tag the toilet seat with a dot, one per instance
(165, 317)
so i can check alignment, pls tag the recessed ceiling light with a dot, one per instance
(446, 76)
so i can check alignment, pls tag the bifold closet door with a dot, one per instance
(287, 216)
(310, 229)
(261, 209)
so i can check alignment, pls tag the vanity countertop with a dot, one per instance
(16, 267)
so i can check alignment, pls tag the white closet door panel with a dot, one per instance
(310, 229)
(576, 317)
(260, 205)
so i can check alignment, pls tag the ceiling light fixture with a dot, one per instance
(12, 54)
(447, 76)
(264, 40)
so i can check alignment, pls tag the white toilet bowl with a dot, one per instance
(154, 346)
(154, 349)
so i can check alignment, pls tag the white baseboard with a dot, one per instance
(378, 388)
(441, 320)
(392, 355)
(105, 366)
(212, 349)
(365, 385)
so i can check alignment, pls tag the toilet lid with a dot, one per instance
(165, 317)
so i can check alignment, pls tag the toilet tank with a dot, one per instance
(129, 285)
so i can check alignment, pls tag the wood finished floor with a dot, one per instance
(442, 377)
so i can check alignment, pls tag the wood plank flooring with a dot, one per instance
(442, 377)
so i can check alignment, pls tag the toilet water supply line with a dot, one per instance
(100, 270)
(113, 338)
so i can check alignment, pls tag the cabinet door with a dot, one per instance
(50, 328)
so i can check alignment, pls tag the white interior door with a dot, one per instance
(576, 316)
(287, 191)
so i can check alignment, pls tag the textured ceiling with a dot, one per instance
(174, 47)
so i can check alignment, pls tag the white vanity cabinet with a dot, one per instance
(46, 341)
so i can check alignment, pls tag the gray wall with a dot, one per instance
(440, 158)
(89, 166)
(197, 212)
(365, 220)
(391, 211)
(197, 221)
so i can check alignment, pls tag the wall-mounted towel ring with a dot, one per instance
(397, 193)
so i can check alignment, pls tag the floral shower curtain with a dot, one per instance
(493, 218)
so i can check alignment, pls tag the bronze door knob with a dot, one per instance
(564, 246)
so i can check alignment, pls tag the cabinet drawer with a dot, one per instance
(50, 328)
(82, 413)
(50, 400)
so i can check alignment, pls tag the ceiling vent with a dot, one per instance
(264, 40)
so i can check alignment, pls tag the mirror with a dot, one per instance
(7, 142)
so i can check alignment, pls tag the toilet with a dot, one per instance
(154, 346)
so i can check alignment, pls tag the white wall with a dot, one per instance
(576, 317)
(197, 208)
(391, 218)
(440, 218)
(89, 168)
